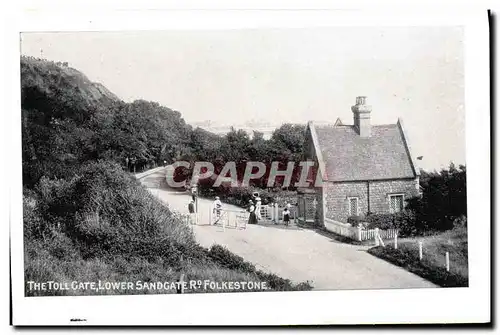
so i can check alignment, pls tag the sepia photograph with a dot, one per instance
(244, 161)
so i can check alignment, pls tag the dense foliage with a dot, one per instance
(444, 199)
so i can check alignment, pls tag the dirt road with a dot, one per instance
(295, 253)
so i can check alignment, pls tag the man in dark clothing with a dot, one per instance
(191, 207)
(286, 216)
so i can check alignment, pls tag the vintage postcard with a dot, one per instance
(255, 171)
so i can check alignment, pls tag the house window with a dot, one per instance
(396, 203)
(353, 206)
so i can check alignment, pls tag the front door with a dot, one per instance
(307, 207)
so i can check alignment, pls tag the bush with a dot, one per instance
(403, 221)
(34, 225)
(355, 220)
(444, 199)
(61, 247)
(224, 257)
(460, 222)
(104, 210)
(382, 221)
(55, 202)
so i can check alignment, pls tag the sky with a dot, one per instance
(285, 75)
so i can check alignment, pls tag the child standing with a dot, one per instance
(286, 216)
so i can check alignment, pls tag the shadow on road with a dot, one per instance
(278, 226)
(334, 238)
(157, 181)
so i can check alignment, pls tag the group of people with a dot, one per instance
(253, 208)
(216, 209)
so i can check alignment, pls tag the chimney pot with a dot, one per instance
(361, 100)
(361, 116)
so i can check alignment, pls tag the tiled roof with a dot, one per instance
(349, 157)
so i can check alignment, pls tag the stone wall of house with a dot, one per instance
(380, 191)
(377, 192)
(320, 195)
(337, 194)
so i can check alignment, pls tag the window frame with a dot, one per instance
(349, 209)
(402, 195)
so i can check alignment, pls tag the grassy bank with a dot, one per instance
(102, 225)
(432, 266)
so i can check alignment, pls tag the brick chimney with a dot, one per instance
(361, 113)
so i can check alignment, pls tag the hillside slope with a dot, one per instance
(51, 76)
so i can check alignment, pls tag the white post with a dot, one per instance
(376, 237)
(447, 261)
(359, 233)
(222, 221)
(396, 240)
(380, 239)
(420, 255)
(277, 212)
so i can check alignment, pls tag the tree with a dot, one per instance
(290, 139)
(444, 198)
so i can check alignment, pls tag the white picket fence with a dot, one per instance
(357, 233)
(370, 234)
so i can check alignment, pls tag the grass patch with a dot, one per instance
(432, 266)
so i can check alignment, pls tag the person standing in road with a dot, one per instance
(192, 213)
(217, 209)
(286, 216)
(258, 206)
(252, 218)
